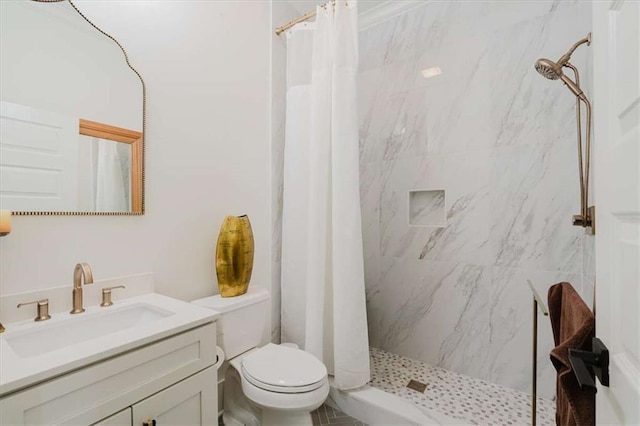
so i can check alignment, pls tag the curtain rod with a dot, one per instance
(302, 18)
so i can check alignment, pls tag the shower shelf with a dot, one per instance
(427, 208)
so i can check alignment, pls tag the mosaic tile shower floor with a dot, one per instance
(461, 397)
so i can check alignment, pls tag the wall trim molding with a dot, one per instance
(386, 11)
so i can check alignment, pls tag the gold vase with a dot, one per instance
(234, 256)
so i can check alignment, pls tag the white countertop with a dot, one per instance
(17, 372)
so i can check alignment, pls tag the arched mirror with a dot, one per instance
(72, 115)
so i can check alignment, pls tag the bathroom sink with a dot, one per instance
(82, 328)
(31, 352)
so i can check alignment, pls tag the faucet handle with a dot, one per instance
(43, 309)
(106, 295)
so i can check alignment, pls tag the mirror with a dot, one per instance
(72, 115)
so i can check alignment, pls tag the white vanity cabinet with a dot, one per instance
(190, 402)
(172, 381)
(119, 419)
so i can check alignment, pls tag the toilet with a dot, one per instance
(268, 385)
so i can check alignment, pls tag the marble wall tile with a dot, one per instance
(376, 308)
(526, 108)
(424, 293)
(392, 114)
(393, 40)
(402, 119)
(447, 22)
(500, 141)
(370, 208)
(510, 12)
(455, 123)
(510, 337)
(534, 194)
(368, 98)
(399, 77)
(465, 179)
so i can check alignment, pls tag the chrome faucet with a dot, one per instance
(81, 270)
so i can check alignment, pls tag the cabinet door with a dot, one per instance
(121, 418)
(193, 401)
(92, 393)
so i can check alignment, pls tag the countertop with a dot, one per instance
(18, 372)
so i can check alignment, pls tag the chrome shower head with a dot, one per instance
(548, 69)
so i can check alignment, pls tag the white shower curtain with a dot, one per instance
(110, 192)
(323, 294)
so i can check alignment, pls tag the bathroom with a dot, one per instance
(468, 183)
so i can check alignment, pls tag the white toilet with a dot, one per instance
(271, 385)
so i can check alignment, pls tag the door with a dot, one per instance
(38, 159)
(121, 418)
(616, 43)
(191, 402)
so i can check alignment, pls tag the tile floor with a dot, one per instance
(461, 397)
(326, 415)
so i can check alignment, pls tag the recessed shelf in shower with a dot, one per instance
(427, 208)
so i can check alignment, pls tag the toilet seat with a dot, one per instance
(305, 401)
(283, 369)
(281, 389)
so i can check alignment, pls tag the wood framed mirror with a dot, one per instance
(72, 111)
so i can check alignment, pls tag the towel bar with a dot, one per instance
(538, 303)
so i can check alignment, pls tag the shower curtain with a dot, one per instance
(110, 193)
(323, 294)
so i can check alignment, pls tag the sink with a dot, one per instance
(83, 328)
(31, 352)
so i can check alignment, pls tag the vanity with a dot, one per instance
(146, 360)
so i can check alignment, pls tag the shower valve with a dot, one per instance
(586, 222)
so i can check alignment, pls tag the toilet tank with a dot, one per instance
(242, 319)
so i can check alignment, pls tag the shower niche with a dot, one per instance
(427, 208)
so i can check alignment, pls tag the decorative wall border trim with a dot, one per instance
(387, 10)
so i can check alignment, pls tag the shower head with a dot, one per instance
(548, 69)
(553, 70)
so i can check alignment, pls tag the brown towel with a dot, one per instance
(573, 326)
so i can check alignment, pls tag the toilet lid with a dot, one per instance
(283, 369)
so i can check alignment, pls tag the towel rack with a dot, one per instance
(538, 303)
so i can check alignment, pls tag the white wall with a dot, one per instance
(281, 13)
(206, 67)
